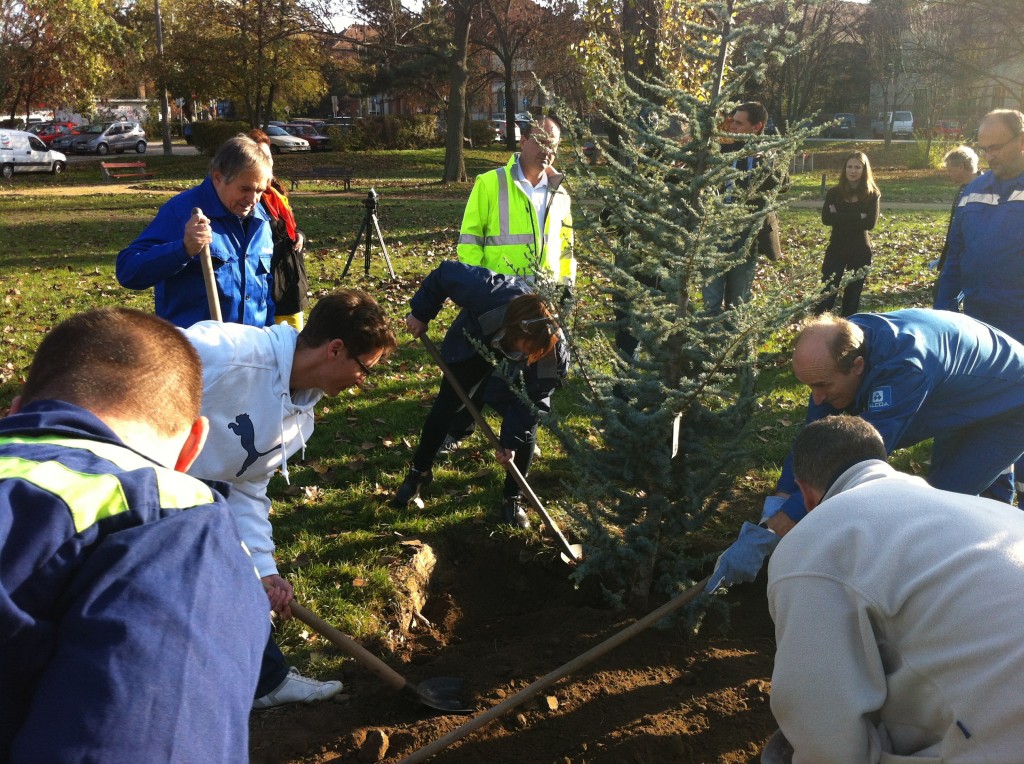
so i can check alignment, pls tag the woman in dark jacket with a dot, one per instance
(851, 210)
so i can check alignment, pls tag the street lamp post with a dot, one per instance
(164, 105)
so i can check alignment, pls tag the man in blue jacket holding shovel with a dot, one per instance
(502, 315)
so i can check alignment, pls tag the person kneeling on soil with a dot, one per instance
(260, 387)
(131, 620)
(503, 314)
(897, 612)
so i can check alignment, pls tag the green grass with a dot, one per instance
(337, 537)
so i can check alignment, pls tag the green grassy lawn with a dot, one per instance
(337, 537)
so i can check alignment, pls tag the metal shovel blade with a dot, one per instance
(577, 554)
(442, 693)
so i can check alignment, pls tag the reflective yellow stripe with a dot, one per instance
(90, 498)
(176, 490)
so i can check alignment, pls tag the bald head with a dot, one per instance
(828, 358)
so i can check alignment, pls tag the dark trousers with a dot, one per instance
(449, 415)
(832, 270)
(273, 669)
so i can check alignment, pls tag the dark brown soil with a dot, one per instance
(504, 618)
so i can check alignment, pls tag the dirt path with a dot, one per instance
(103, 188)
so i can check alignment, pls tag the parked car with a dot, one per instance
(66, 142)
(844, 125)
(282, 141)
(951, 129)
(23, 152)
(104, 137)
(501, 130)
(309, 134)
(47, 132)
(521, 116)
(902, 123)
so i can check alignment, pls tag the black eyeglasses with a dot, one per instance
(362, 366)
(547, 324)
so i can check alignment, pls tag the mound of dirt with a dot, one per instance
(502, 618)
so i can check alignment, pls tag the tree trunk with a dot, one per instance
(641, 29)
(458, 74)
(268, 111)
(510, 106)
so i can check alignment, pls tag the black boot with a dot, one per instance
(512, 512)
(411, 486)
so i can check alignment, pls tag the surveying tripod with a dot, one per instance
(369, 219)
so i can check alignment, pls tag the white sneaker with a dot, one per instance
(297, 688)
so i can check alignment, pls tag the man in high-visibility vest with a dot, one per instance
(518, 217)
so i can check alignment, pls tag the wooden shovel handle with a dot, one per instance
(348, 645)
(209, 281)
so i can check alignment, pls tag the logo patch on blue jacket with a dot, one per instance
(881, 397)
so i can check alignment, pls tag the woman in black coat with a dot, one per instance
(851, 210)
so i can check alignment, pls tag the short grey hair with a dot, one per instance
(962, 156)
(826, 448)
(241, 154)
(1011, 118)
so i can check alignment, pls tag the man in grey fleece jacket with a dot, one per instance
(897, 612)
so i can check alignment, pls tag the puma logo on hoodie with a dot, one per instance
(242, 426)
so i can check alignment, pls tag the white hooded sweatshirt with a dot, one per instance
(256, 422)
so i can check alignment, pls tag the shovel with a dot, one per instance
(440, 692)
(571, 553)
(206, 263)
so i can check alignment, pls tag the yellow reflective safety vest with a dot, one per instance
(500, 230)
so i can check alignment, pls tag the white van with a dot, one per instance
(902, 123)
(24, 152)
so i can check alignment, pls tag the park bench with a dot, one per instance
(344, 174)
(125, 170)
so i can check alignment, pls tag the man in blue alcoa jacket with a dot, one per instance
(984, 264)
(237, 230)
(915, 375)
(131, 619)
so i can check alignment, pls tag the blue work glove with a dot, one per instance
(743, 559)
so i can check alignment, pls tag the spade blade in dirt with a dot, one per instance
(441, 692)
